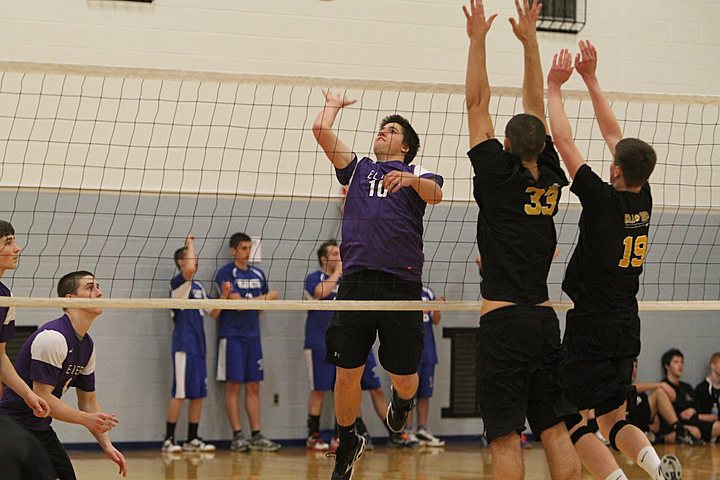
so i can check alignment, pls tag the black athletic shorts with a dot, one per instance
(351, 334)
(599, 349)
(640, 415)
(704, 427)
(518, 353)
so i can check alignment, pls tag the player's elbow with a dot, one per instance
(436, 197)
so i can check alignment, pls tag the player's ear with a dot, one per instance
(507, 145)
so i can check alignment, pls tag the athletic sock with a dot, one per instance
(401, 404)
(617, 475)
(192, 430)
(347, 437)
(313, 424)
(170, 430)
(648, 460)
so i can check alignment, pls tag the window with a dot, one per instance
(562, 16)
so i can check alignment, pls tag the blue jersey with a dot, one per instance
(317, 320)
(429, 351)
(53, 355)
(248, 283)
(381, 230)
(7, 317)
(189, 332)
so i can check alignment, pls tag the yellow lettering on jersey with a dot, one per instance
(634, 247)
(536, 206)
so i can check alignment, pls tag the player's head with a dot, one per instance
(183, 261)
(525, 136)
(328, 254)
(715, 363)
(396, 137)
(9, 249)
(634, 161)
(673, 361)
(80, 284)
(635, 369)
(240, 246)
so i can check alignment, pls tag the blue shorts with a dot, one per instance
(240, 360)
(190, 376)
(370, 379)
(426, 374)
(320, 373)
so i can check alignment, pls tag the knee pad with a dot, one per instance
(614, 431)
(579, 433)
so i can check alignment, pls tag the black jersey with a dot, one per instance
(684, 396)
(604, 270)
(516, 231)
(707, 396)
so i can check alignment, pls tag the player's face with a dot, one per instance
(676, 366)
(332, 257)
(9, 252)
(389, 142)
(242, 252)
(88, 287)
(634, 372)
(715, 367)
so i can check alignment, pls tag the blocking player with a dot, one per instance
(517, 188)
(59, 355)
(9, 255)
(382, 260)
(240, 351)
(602, 335)
(188, 349)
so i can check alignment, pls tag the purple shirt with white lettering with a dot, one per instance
(7, 317)
(382, 230)
(53, 355)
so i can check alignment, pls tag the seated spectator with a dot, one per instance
(685, 402)
(708, 391)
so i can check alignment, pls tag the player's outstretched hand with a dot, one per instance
(586, 60)
(38, 405)
(524, 27)
(477, 25)
(561, 68)
(336, 100)
(101, 422)
(114, 454)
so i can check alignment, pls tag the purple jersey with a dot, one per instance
(248, 283)
(429, 350)
(381, 230)
(7, 317)
(188, 334)
(53, 355)
(317, 320)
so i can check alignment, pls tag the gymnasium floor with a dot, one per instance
(459, 461)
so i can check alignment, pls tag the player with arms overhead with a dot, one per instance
(382, 255)
(517, 188)
(602, 335)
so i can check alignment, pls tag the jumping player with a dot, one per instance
(58, 355)
(188, 350)
(382, 260)
(602, 335)
(517, 188)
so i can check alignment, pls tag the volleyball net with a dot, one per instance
(110, 170)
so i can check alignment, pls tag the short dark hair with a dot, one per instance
(669, 355)
(410, 136)
(237, 238)
(526, 134)
(323, 250)
(179, 255)
(637, 160)
(6, 229)
(68, 284)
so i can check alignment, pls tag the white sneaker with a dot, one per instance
(197, 445)
(427, 439)
(670, 468)
(169, 446)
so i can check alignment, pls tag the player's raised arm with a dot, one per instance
(339, 154)
(560, 126)
(477, 85)
(526, 31)
(586, 64)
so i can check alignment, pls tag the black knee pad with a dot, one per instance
(579, 433)
(614, 431)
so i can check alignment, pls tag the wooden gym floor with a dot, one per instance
(459, 461)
